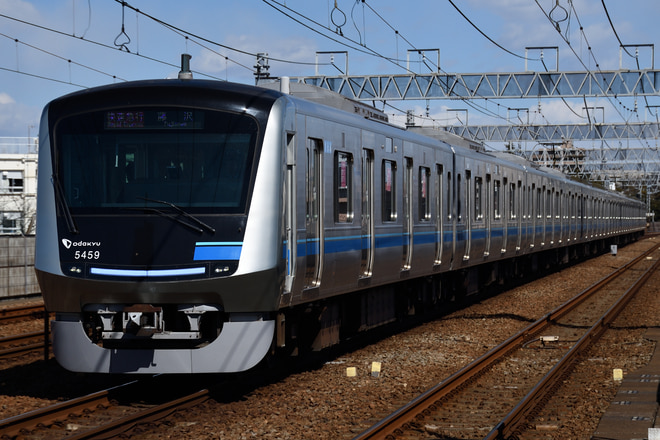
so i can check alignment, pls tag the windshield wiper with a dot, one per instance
(180, 211)
(64, 206)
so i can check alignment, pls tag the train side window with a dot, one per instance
(449, 206)
(440, 192)
(389, 191)
(512, 201)
(539, 200)
(459, 214)
(343, 187)
(423, 194)
(478, 209)
(496, 200)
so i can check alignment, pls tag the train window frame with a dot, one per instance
(388, 190)
(423, 194)
(343, 187)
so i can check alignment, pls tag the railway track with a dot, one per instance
(11, 319)
(16, 314)
(493, 396)
(19, 344)
(92, 416)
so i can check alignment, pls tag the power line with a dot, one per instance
(613, 29)
(486, 36)
(106, 46)
(32, 75)
(355, 45)
(16, 40)
(204, 39)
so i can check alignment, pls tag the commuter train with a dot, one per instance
(192, 226)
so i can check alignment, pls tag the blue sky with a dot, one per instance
(65, 46)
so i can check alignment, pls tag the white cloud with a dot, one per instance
(6, 99)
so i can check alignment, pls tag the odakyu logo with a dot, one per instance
(69, 244)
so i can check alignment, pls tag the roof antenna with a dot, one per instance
(185, 72)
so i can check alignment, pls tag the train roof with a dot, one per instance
(323, 96)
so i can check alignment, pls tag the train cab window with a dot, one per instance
(200, 160)
(496, 200)
(423, 194)
(389, 191)
(343, 187)
(478, 203)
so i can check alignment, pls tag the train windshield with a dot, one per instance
(200, 160)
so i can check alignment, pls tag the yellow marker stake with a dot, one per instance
(375, 369)
(618, 374)
(351, 372)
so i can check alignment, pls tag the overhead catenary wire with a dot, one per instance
(97, 43)
(352, 44)
(17, 41)
(486, 36)
(204, 39)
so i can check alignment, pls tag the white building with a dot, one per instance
(18, 185)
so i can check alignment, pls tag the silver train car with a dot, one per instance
(190, 226)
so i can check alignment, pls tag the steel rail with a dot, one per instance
(19, 313)
(13, 426)
(513, 420)
(119, 426)
(406, 414)
(23, 348)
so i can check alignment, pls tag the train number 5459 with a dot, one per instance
(87, 255)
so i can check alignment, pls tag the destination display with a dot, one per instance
(154, 119)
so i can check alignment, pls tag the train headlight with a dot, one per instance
(223, 268)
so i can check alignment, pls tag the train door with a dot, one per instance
(442, 189)
(580, 216)
(505, 217)
(314, 214)
(519, 210)
(289, 214)
(368, 239)
(532, 214)
(561, 199)
(487, 213)
(469, 209)
(459, 238)
(497, 212)
(553, 210)
(451, 215)
(407, 214)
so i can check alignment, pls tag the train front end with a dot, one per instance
(159, 226)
